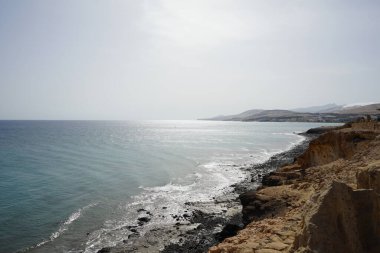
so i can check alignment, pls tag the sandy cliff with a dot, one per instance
(326, 201)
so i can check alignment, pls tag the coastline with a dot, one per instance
(231, 225)
(206, 224)
(325, 201)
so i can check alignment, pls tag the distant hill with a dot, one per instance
(324, 113)
(372, 109)
(320, 109)
(237, 117)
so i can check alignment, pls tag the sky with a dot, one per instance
(173, 59)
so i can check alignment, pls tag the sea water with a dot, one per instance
(70, 186)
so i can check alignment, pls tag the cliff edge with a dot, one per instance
(328, 200)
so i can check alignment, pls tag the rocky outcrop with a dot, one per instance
(332, 146)
(325, 129)
(287, 175)
(328, 200)
(259, 205)
(342, 220)
(329, 147)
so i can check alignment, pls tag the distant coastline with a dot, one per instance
(337, 114)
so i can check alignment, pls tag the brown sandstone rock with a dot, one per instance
(257, 206)
(369, 177)
(281, 177)
(342, 220)
(332, 146)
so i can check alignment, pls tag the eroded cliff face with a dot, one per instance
(369, 177)
(326, 201)
(342, 219)
(334, 145)
(329, 147)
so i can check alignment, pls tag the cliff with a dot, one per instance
(326, 201)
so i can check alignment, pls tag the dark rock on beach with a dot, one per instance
(228, 231)
(144, 219)
(105, 250)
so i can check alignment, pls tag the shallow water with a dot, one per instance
(69, 186)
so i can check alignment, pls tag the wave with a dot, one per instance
(163, 203)
(65, 225)
(266, 154)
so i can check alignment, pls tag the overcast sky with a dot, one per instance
(97, 59)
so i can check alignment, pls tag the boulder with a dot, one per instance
(258, 206)
(281, 177)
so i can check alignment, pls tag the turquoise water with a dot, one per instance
(66, 186)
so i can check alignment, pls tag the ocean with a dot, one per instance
(70, 186)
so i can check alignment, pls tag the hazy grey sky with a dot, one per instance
(161, 59)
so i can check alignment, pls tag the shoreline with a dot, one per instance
(205, 224)
(326, 200)
(233, 224)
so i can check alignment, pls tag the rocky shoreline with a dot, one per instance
(198, 243)
(327, 200)
(206, 224)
